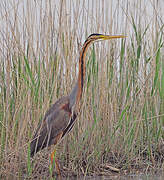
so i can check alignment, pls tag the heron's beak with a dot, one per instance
(105, 37)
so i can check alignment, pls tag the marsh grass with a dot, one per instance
(122, 113)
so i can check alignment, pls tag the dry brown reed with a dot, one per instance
(122, 114)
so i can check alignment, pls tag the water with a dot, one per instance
(158, 176)
(143, 177)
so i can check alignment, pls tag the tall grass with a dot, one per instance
(122, 113)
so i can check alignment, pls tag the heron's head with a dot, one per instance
(101, 37)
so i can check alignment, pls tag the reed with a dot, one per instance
(122, 114)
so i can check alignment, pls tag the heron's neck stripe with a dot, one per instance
(82, 63)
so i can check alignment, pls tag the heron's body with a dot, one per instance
(58, 121)
(60, 118)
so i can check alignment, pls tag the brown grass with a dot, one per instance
(122, 114)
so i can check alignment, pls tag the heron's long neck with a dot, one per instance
(81, 75)
(76, 93)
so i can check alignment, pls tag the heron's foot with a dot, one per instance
(58, 172)
(55, 166)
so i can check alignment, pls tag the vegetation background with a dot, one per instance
(121, 123)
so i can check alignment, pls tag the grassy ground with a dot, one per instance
(121, 123)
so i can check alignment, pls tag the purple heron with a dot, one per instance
(61, 116)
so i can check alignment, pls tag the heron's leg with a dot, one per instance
(57, 167)
(54, 161)
(53, 156)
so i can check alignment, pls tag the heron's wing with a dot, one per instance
(55, 122)
(70, 125)
(62, 119)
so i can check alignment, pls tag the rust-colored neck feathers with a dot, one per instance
(81, 76)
